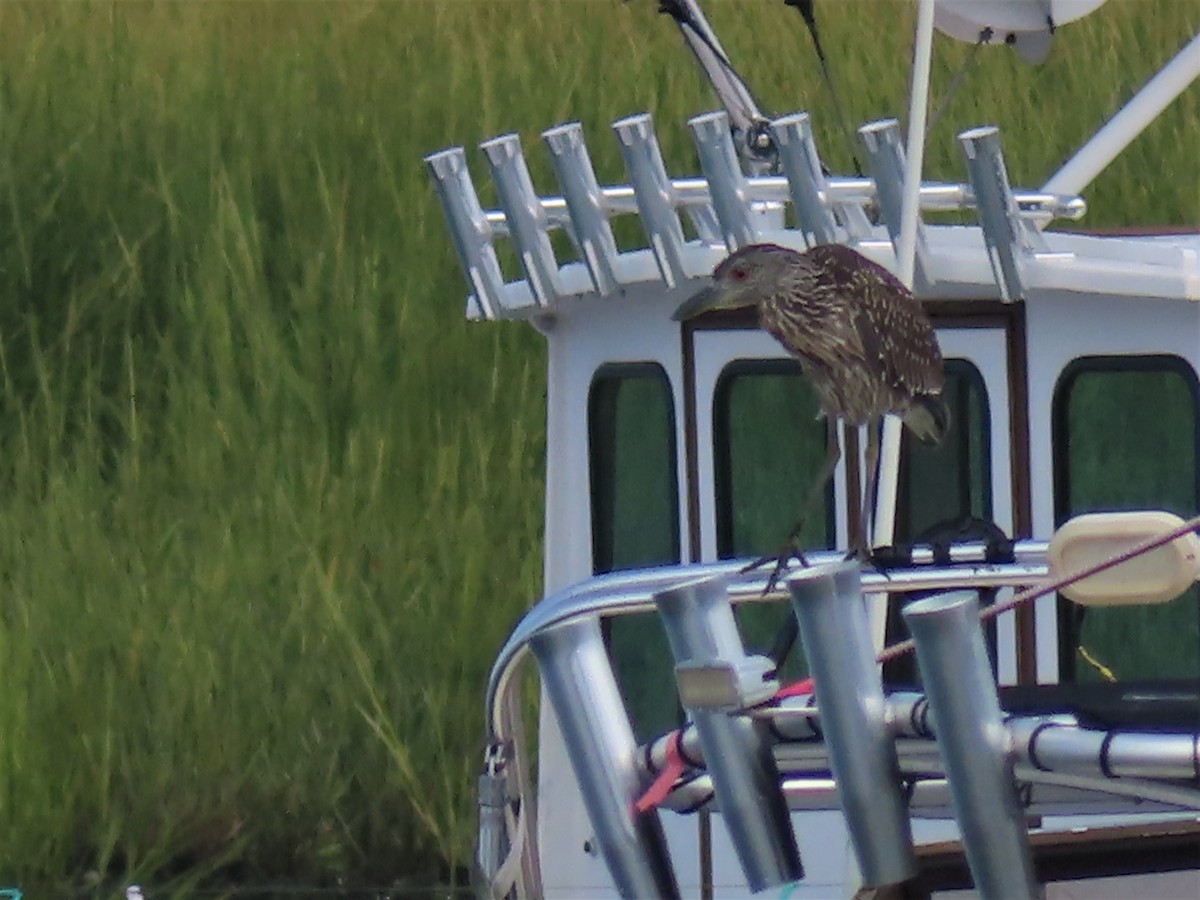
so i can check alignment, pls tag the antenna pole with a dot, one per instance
(884, 524)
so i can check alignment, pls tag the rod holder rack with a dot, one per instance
(725, 208)
(654, 194)
(526, 219)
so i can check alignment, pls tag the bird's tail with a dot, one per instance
(928, 417)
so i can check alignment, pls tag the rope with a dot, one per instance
(673, 767)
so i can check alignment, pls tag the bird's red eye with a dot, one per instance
(737, 274)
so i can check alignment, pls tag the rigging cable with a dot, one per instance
(985, 36)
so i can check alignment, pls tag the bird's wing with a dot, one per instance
(892, 332)
(897, 338)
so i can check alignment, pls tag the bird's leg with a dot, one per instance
(791, 548)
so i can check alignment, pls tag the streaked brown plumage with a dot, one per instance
(862, 339)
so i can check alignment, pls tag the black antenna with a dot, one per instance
(807, 12)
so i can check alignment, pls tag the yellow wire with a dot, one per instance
(1105, 672)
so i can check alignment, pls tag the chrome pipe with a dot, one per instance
(1065, 747)
(701, 629)
(578, 678)
(973, 743)
(828, 602)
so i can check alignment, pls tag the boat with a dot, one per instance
(950, 722)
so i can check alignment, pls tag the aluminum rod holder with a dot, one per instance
(527, 223)
(1003, 231)
(585, 201)
(469, 229)
(726, 183)
(885, 152)
(806, 182)
(654, 194)
(700, 626)
(493, 843)
(973, 743)
(828, 602)
(577, 676)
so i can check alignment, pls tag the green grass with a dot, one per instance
(268, 504)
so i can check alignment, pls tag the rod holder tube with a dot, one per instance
(806, 181)
(973, 743)
(997, 210)
(492, 844)
(700, 626)
(726, 183)
(527, 221)
(578, 678)
(585, 202)
(470, 230)
(885, 155)
(828, 602)
(654, 194)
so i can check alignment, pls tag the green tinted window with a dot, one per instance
(635, 522)
(631, 441)
(768, 447)
(1125, 437)
(952, 480)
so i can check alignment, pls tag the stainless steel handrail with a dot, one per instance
(622, 593)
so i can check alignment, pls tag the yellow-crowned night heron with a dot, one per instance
(862, 339)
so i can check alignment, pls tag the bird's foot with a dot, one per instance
(781, 559)
(867, 556)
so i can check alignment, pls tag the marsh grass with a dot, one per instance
(268, 505)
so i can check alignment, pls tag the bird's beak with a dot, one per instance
(701, 301)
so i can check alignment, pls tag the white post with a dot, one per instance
(884, 527)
